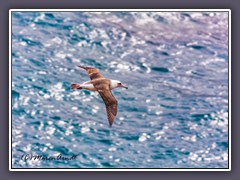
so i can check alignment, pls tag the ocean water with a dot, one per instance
(174, 114)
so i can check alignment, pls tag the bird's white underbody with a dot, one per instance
(88, 86)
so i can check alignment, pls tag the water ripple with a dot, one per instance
(174, 115)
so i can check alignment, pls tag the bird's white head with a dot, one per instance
(115, 84)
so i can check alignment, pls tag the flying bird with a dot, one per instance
(103, 86)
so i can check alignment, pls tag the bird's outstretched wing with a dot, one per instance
(93, 72)
(103, 88)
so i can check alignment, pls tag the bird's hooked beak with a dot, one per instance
(122, 85)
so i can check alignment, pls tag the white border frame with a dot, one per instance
(115, 10)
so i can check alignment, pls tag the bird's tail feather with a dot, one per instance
(76, 86)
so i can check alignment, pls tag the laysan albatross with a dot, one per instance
(103, 86)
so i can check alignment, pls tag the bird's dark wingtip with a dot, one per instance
(81, 66)
(86, 67)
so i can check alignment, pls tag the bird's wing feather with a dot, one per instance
(93, 72)
(103, 88)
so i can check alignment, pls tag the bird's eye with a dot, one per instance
(119, 83)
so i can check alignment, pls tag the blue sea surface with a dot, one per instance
(174, 114)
